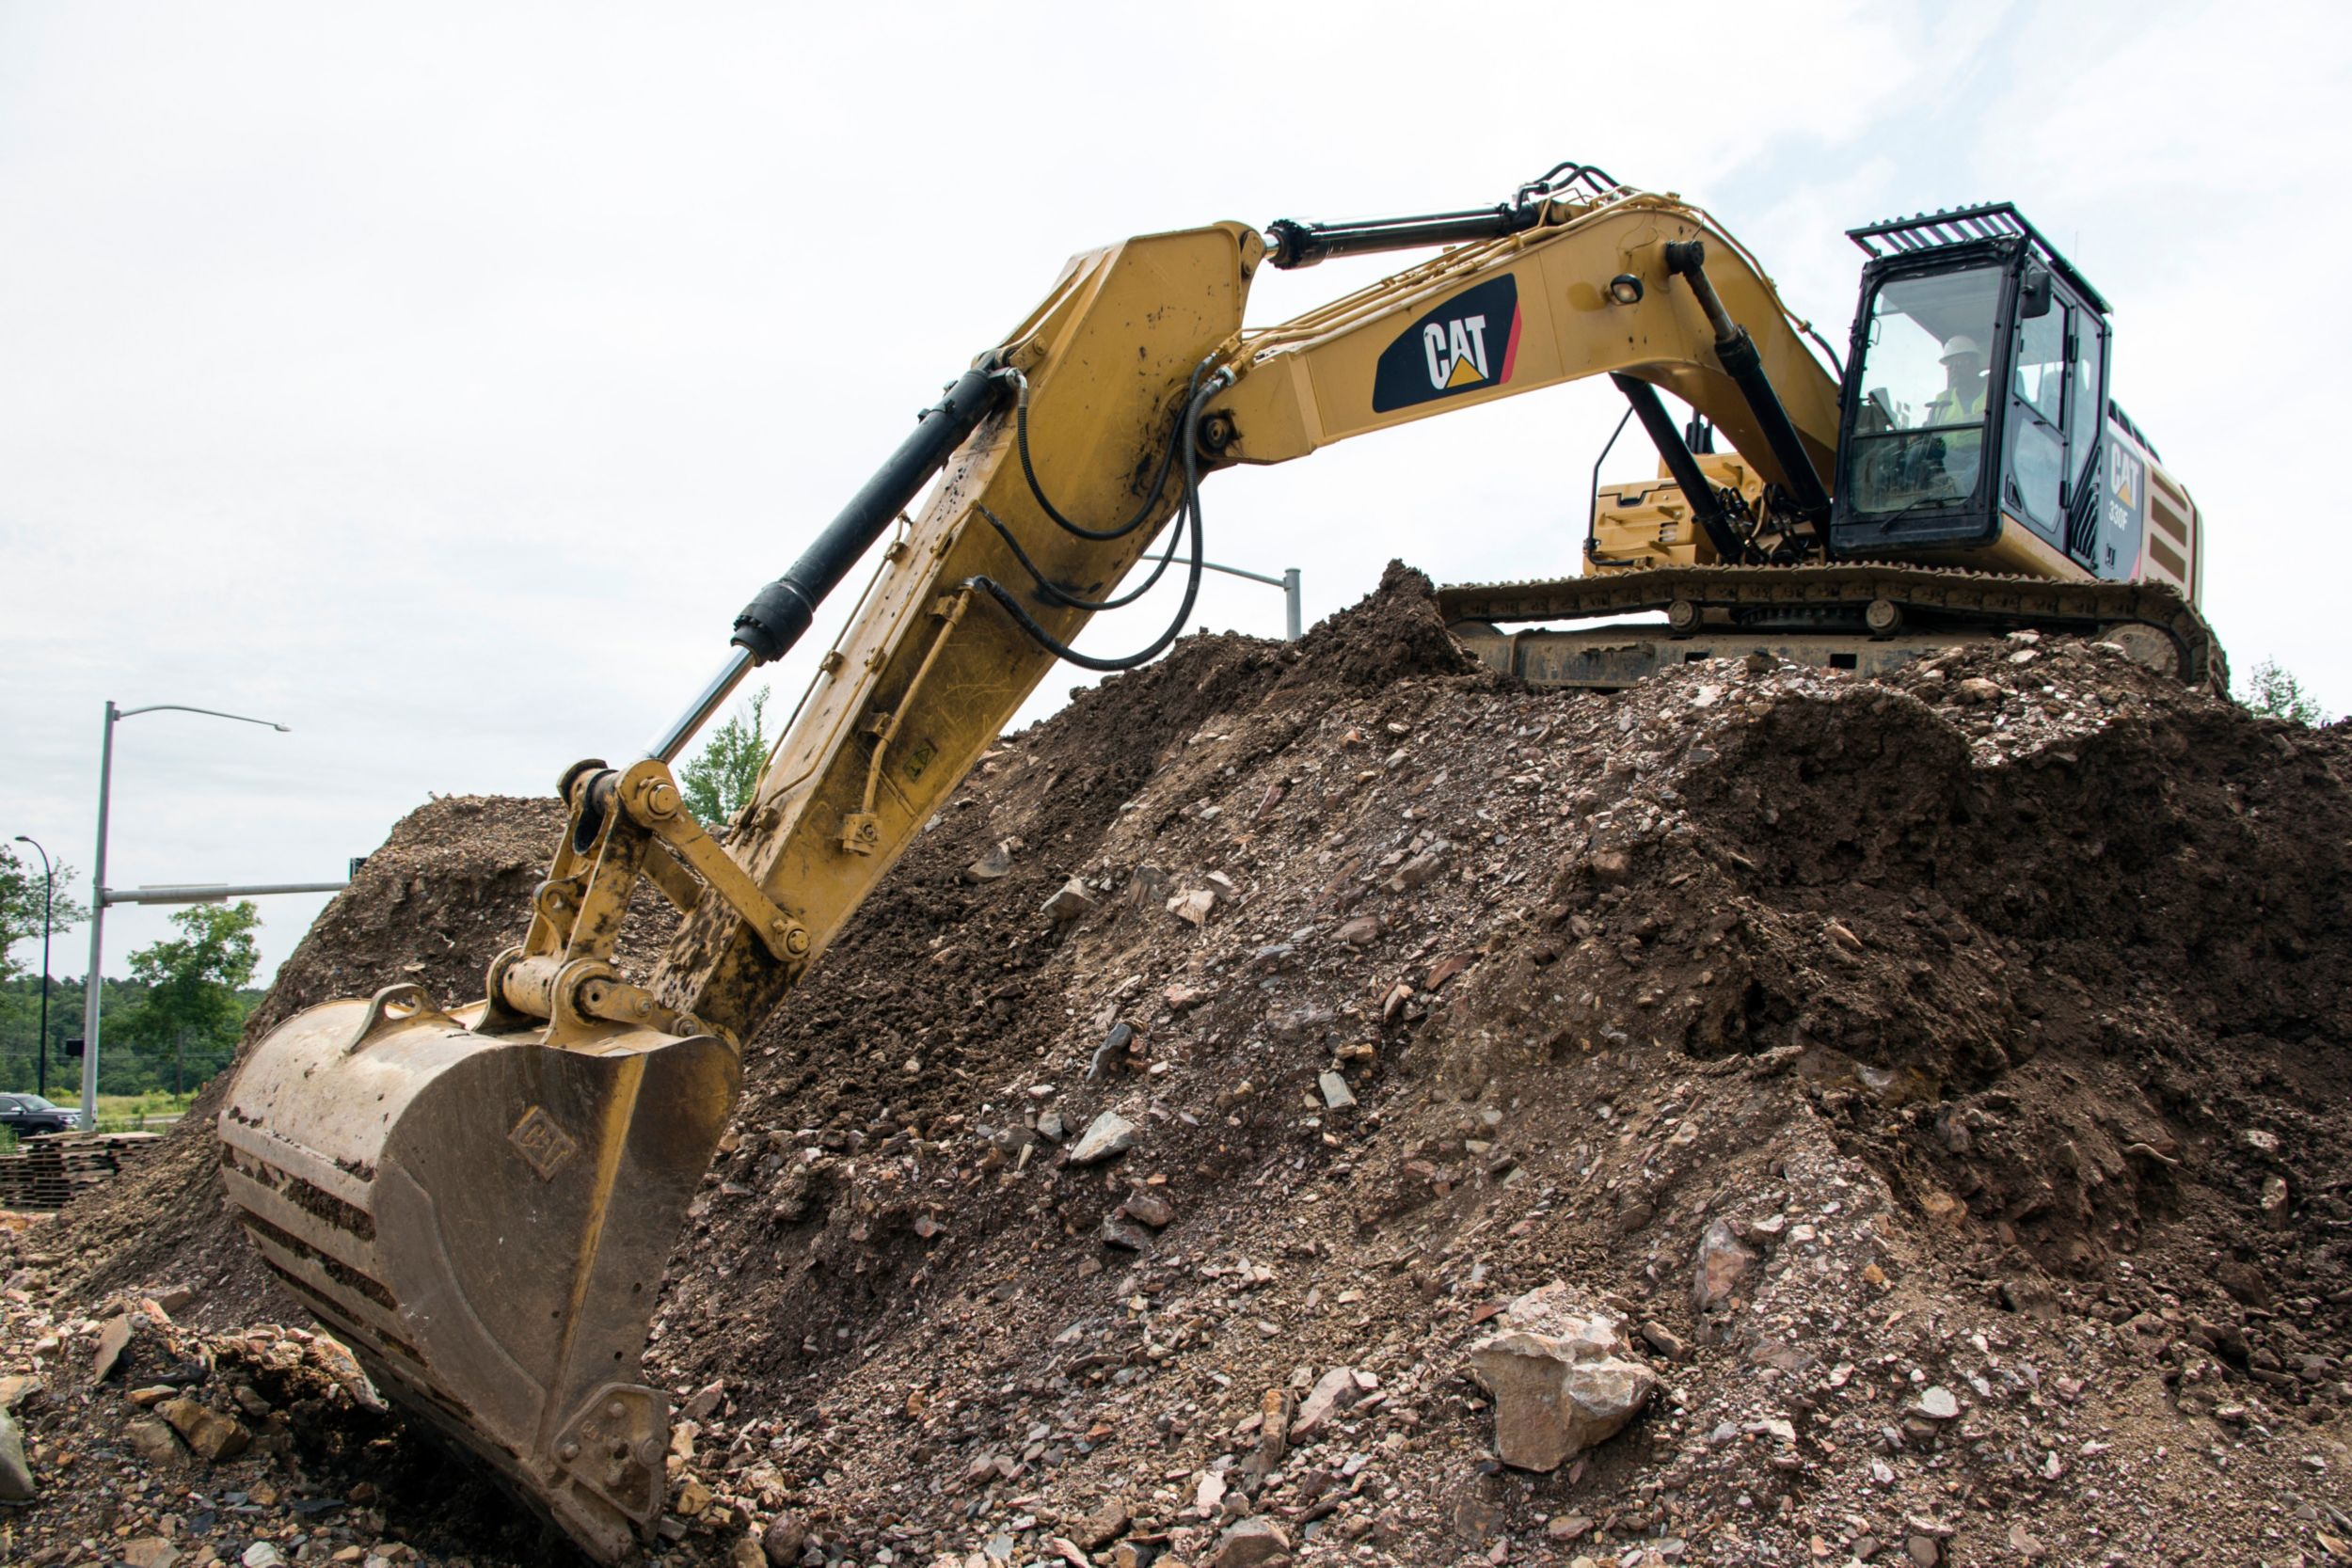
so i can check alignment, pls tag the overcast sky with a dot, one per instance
(358, 363)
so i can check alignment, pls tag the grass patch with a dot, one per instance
(140, 1112)
(156, 1103)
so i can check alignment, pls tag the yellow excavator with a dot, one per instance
(480, 1201)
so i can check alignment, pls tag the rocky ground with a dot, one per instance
(1899, 1121)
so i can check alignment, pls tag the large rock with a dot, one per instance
(1070, 900)
(1561, 1378)
(154, 1442)
(1333, 1392)
(1723, 1265)
(1109, 1133)
(113, 1339)
(1193, 908)
(1250, 1544)
(1101, 1527)
(1149, 1208)
(782, 1541)
(208, 1432)
(16, 1476)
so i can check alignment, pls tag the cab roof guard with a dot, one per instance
(1957, 226)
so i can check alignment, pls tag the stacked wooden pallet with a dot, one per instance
(47, 1172)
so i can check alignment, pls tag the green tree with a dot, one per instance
(719, 779)
(21, 889)
(192, 1009)
(2273, 690)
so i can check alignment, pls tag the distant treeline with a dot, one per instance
(143, 1047)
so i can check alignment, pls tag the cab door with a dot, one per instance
(2085, 445)
(2055, 418)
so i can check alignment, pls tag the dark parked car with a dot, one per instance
(29, 1115)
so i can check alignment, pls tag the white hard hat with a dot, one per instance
(1955, 347)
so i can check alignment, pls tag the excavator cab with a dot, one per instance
(1975, 399)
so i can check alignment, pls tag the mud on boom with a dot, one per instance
(480, 1200)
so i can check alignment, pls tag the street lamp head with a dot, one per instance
(114, 713)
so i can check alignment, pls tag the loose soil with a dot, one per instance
(1984, 1026)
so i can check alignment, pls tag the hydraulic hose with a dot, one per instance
(1189, 509)
(1151, 496)
(1054, 592)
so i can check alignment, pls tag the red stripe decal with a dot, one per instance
(1511, 350)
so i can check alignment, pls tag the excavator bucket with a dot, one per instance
(483, 1219)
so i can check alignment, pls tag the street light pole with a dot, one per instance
(1287, 582)
(91, 982)
(96, 977)
(48, 907)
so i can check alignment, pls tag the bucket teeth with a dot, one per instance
(484, 1220)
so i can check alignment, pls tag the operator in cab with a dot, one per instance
(1960, 402)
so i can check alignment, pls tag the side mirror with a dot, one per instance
(2034, 298)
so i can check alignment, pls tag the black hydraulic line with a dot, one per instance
(1592, 512)
(1151, 495)
(1054, 592)
(1705, 504)
(1823, 343)
(1188, 508)
(1060, 649)
(1568, 174)
(780, 612)
(1744, 364)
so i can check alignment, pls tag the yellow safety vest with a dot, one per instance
(1956, 405)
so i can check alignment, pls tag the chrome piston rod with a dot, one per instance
(740, 663)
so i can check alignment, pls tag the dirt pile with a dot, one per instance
(1942, 1080)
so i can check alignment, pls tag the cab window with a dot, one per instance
(2038, 380)
(1918, 436)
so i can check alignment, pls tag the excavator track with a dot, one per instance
(1858, 617)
